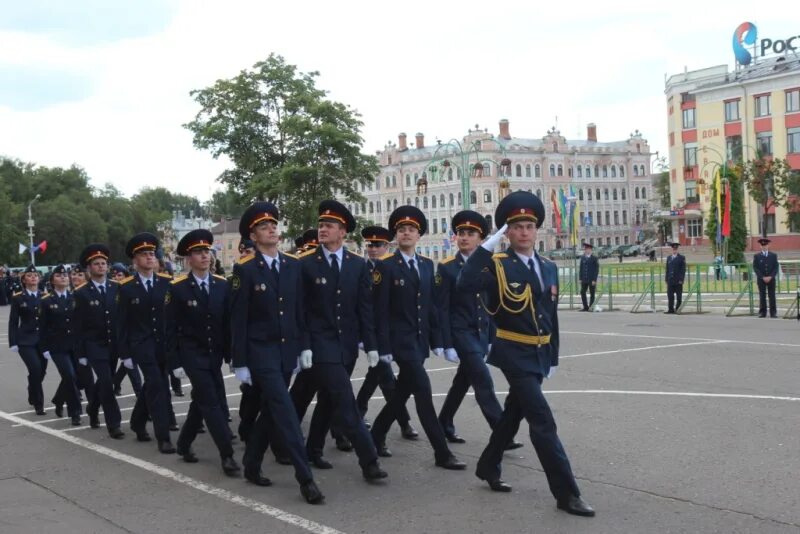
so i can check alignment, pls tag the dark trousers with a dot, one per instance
(381, 376)
(322, 420)
(133, 375)
(302, 392)
(763, 291)
(674, 296)
(67, 391)
(337, 407)
(154, 400)
(413, 380)
(591, 287)
(85, 379)
(472, 371)
(277, 420)
(104, 394)
(206, 406)
(526, 400)
(249, 406)
(175, 383)
(37, 368)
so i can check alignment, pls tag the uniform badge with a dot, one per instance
(168, 298)
(438, 279)
(514, 285)
(135, 301)
(376, 277)
(235, 282)
(263, 287)
(402, 281)
(316, 280)
(323, 280)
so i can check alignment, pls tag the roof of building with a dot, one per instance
(226, 226)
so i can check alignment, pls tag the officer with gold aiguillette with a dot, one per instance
(523, 298)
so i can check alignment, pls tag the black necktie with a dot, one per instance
(102, 289)
(149, 285)
(203, 288)
(414, 273)
(334, 264)
(274, 270)
(532, 268)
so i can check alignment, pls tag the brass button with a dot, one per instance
(280, 299)
(283, 340)
(281, 312)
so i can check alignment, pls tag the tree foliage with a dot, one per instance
(770, 182)
(287, 142)
(737, 242)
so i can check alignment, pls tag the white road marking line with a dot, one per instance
(635, 349)
(644, 336)
(654, 393)
(225, 495)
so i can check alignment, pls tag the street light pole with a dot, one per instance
(30, 228)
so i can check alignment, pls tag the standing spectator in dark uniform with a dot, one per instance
(23, 335)
(408, 328)
(467, 330)
(587, 275)
(523, 289)
(377, 239)
(198, 340)
(675, 274)
(765, 267)
(57, 341)
(5, 286)
(95, 335)
(140, 326)
(338, 315)
(266, 326)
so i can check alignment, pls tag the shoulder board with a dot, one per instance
(246, 259)
(179, 279)
(46, 296)
(386, 256)
(308, 253)
(111, 281)
(424, 257)
(218, 277)
(545, 260)
(126, 280)
(499, 255)
(164, 275)
(447, 260)
(80, 286)
(289, 255)
(18, 293)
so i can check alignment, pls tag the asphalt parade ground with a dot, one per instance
(672, 424)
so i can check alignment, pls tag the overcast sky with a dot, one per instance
(107, 88)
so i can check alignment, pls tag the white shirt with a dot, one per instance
(32, 293)
(145, 280)
(536, 267)
(339, 253)
(64, 294)
(270, 260)
(98, 285)
(201, 281)
(410, 258)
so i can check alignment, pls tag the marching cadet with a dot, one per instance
(467, 330)
(95, 321)
(765, 267)
(675, 273)
(523, 296)
(57, 341)
(338, 311)
(587, 275)
(377, 240)
(250, 401)
(140, 326)
(77, 276)
(23, 334)
(198, 340)
(266, 326)
(118, 273)
(408, 327)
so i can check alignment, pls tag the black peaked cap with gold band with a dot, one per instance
(519, 206)
(199, 239)
(310, 238)
(298, 242)
(333, 211)
(408, 215)
(255, 214)
(92, 252)
(59, 269)
(472, 220)
(377, 235)
(141, 242)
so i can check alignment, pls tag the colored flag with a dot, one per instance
(41, 247)
(726, 216)
(574, 220)
(22, 248)
(718, 186)
(556, 209)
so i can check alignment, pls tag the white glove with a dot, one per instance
(296, 367)
(451, 355)
(47, 355)
(15, 349)
(373, 358)
(551, 372)
(492, 241)
(490, 349)
(179, 373)
(128, 363)
(438, 351)
(360, 345)
(306, 359)
(243, 375)
(83, 361)
(386, 358)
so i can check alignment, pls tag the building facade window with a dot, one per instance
(451, 200)
(597, 171)
(764, 143)
(694, 228)
(770, 224)
(598, 217)
(444, 225)
(425, 203)
(616, 217)
(580, 194)
(688, 119)
(589, 194)
(487, 196)
(625, 217)
(528, 170)
(580, 171)
(537, 171)
(539, 193)
(435, 226)
(690, 155)
(733, 147)
(624, 193)
(792, 100)
(408, 180)
(552, 170)
(560, 170)
(473, 197)
(644, 193)
(762, 105)
(732, 111)
(433, 201)
(622, 171)
(614, 194)
(605, 193)
(614, 171)
(691, 192)
(588, 171)
(793, 140)
(608, 218)
(518, 170)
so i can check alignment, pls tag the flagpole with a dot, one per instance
(30, 228)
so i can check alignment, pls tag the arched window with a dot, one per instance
(425, 203)
(605, 171)
(394, 204)
(622, 171)
(613, 171)
(489, 221)
(473, 197)
(443, 225)
(644, 217)
(580, 193)
(371, 207)
(450, 174)
(552, 170)
(641, 170)
(588, 172)
(589, 194)
(416, 201)
(624, 216)
(636, 191)
(624, 192)
(441, 200)
(487, 195)
(435, 226)
(597, 194)
(638, 218)
(408, 180)
(528, 170)
(433, 201)
(569, 172)
(408, 200)
(644, 193)
(518, 170)
(580, 171)
(388, 205)
(605, 193)
(614, 192)
(460, 203)
(537, 171)
(388, 182)
(451, 200)
(539, 193)
(487, 169)
(378, 206)
(597, 171)
(635, 170)
(560, 170)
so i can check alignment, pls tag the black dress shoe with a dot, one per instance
(668, 312)
(76, 421)
(117, 392)
(311, 492)
(116, 433)
(452, 437)
(94, 421)
(188, 456)
(514, 444)
(497, 484)
(59, 410)
(575, 506)
(367, 423)
(230, 419)
(343, 444)
(383, 450)
(201, 430)
(230, 467)
(762, 315)
(40, 411)
(452, 463)
(255, 477)
(408, 432)
(283, 460)
(178, 392)
(166, 447)
(773, 316)
(373, 471)
(320, 462)
(143, 436)
(173, 427)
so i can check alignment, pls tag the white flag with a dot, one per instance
(22, 249)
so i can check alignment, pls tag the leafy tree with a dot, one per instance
(286, 141)
(226, 203)
(769, 181)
